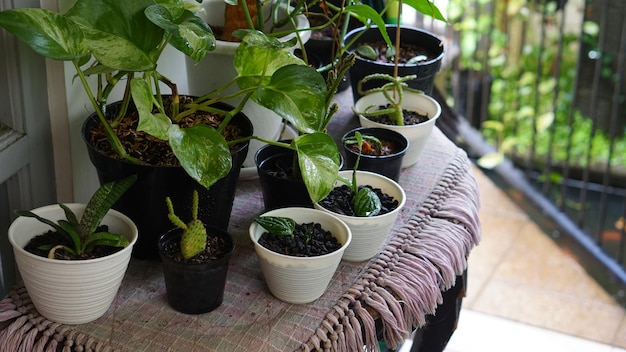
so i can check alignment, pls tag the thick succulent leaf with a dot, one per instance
(103, 200)
(202, 151)
(319, 161)
(365, 14)
(30, 214)
(118, 33)
(156, 125)
(277, 225)
(190, 34)
(297, 94)
(72, 231)
(46, 32)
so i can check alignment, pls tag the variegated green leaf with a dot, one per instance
(319, 161)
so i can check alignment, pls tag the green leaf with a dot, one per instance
(297, 94)
(367, 52)
(190, 34)
(202, 151)
(104, 239)
(366, 202)
(103, 200)
(277, 225)
(426, 7)
(156, 125)
(118, 33)
(74, 234)
(365, 13)
(30, 214)
(47, 33)
(319, 161)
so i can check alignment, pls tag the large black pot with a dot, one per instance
(195, 288)
(144, 202)
(425, 70)
(387, 165)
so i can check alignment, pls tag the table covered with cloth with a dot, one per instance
(385, 297)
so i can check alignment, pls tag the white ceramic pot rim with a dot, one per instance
(18, 222)
(348, 174)
(407, 102)
(278, 212)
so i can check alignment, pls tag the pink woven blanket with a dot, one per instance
(424, 253)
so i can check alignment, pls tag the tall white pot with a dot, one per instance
(300, 280)
(76, 291)
(216, 69)
(369, 233)
(416, 134)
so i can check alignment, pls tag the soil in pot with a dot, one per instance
(150, 149)
(309, 240)
(387, 148)
(410, 117)
(339, 201)
(41, 244)
(409, 53)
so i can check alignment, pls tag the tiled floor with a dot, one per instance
(526, 294)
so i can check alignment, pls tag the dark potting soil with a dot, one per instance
(387, 148)
(215, 249)
(407, 52)
(339, 200)
(410, 117)
(41, 244)
(309, 240)
(150, 149)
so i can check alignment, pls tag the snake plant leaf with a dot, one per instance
(319, 161)
(189, 34)
(118, 33)
(297, 94)
(157, 124)
(202, 151)
(102, 200)
(47, 33)
(73, 232)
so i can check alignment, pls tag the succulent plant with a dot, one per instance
(194, 238)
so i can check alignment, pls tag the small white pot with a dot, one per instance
(369, 233)
(300, 280)
(76, 291)
(416, 134)
(216, 69)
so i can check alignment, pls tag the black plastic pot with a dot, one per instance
(425, 70)
(280, 191)
(386, 165)
(195, 288)
(144, 202)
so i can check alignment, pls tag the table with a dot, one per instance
(384, 298)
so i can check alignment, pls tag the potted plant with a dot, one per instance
(195, 262)
(217, 69)
(382, 151)
(294, 276)
(73, 271)
(368, 203)
(397, 107)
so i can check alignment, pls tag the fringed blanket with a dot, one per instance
(424, 253)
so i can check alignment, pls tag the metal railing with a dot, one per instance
(542, 83)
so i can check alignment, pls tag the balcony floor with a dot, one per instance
(527, 294)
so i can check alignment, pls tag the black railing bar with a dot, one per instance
(593, 104)
(538, 74)
(591, 186)
(507, 171)
(615, 113)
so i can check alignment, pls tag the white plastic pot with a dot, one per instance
(369, 233)
(416, 134)
(76, 291)
(300, 279)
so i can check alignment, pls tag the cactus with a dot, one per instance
(193, 240)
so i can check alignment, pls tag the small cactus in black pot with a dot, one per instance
(194, 238)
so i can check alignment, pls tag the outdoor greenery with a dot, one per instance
(531, 111)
